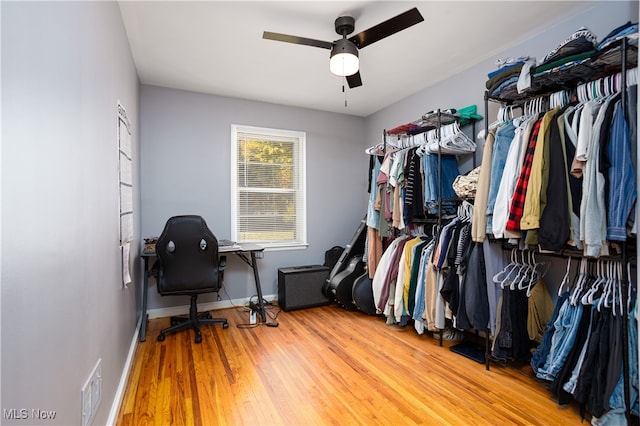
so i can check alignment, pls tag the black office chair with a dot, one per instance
(188, 264)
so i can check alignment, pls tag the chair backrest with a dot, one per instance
(188, 260)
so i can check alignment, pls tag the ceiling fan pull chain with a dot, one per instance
(345, 95)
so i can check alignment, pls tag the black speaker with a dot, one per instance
(301, 286)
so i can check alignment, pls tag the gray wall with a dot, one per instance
(64, 68)
(467, 87)
(186, 162)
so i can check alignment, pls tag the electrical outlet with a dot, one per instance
(91, 394)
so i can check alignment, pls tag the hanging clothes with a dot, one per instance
(584, 361)
(535, 197)
(479, 221)
(433, 203)
(501, 145)
(622, 191)
(512, 339)
(555, 226)
(414, 196)
(512, 166)
(540, 310)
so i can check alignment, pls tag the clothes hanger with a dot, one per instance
(430, 138)
(493, 125)
(504, 282)
(580, 93)
(612, 296)
(565, 278)
(607, 292)
(452, 141)
(497, 278)
(553, 100)
(619, 282)
(375, 149)
(536, 274)
(526, 271)
(588, 297)
(522, 271)
(580, 281)
(466, 212)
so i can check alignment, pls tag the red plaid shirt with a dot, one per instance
(519, 195)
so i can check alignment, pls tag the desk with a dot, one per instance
(246, 252)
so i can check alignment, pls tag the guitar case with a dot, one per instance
(354, 248)
(363, 294)
(332, 256)
(341, 285)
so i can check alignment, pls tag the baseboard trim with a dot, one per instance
(124, 377)
(208, 306)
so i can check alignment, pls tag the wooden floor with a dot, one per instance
(325, 365)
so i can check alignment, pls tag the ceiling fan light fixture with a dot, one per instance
(344, 58)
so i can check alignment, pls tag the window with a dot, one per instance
(268, 186)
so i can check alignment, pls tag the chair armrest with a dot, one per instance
(222, 263)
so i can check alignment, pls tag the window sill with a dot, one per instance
(272, 247)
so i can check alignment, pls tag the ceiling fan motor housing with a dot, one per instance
(345, 25)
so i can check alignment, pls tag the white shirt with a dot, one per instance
(510, 175)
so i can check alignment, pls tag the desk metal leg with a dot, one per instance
(145, 287)
(254, 266)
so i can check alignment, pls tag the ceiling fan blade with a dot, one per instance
(387, 28)
(354, 80)
(297, 40)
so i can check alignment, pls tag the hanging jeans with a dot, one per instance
(450, 172)
(570, 385)
(541, 354)
(566, 326)
(573, 358)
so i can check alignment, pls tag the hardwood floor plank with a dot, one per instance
(325, 366)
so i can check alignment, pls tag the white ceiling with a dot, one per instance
(216, 47)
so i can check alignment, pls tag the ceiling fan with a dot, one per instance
(344, 52)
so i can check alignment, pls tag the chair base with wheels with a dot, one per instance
(195, 320)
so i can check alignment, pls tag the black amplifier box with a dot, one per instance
(301, 286)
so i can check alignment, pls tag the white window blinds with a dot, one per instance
(268, 186)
